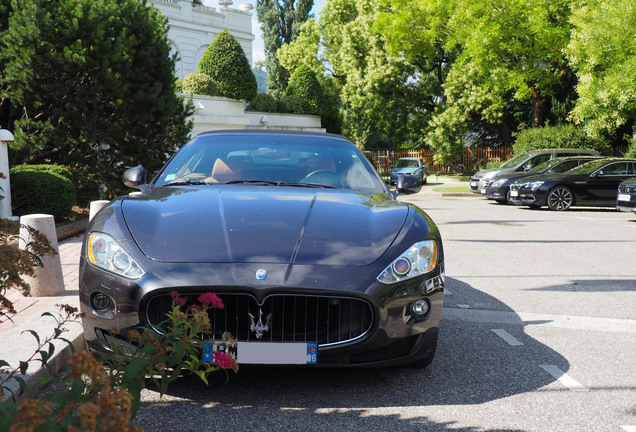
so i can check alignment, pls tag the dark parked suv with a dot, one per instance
(524, 162)
(626, 199)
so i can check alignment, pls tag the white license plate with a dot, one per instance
(268, 352)
(624, 197)
(483, 191)
(474, 183)
(514, 193)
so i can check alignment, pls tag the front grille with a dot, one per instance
(326, 320)
(515, 187)
(627, 188)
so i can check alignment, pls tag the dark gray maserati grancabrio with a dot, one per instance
(294, 231)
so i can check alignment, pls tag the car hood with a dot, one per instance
(267, 224)
(553, 177)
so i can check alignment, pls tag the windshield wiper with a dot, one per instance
(186, 183)
(262, 182)
(280, 183)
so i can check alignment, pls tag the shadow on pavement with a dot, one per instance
(472, 366)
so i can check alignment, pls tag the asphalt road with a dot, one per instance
(538, 334)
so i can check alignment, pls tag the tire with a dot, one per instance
(534, 206)
(560, 198)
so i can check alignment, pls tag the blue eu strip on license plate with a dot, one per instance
(266, 352)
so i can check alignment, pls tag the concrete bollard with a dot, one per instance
(48, 280)
(96, 206)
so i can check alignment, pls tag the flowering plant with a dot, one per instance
(178, 346)
(104, 394)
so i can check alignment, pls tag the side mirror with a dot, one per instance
(134, 177)
(407, 184)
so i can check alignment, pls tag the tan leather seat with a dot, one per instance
(223, 171)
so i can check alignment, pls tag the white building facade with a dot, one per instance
(193, 27)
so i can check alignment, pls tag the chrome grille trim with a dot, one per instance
(328, 320)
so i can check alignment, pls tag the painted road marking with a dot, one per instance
(564, 378)
(510, 339)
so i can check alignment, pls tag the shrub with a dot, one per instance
(199, 83)
(294, 105)
(42, 189)
(560, 136)
(304, 85)
(225, 62)
(263, 102)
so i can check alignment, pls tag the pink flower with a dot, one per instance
(174, 294)
(195, 308)
(211, 299)
(179, 301)
(222, 359)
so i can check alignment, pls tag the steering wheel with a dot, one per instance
(323, 177)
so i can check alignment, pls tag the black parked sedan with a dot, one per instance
(297, 235)
(498, 187)
(591, 184)
(626, 198)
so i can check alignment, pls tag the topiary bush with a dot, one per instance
(263, 102)
(559, 136)
(198, 83)
(45, 189)
(294, 105)
(305, 86)
(225, 62)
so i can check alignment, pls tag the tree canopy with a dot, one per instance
(603, 51)
(451, 73)
(91, 86)
(280, 24)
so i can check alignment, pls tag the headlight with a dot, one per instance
(104, 252)
(534, 185)
(498, 183)
(419, 259)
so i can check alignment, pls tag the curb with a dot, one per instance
(71, 229)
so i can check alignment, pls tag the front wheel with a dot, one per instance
(560, 198)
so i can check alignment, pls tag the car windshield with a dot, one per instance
(407, 163)
(543, 167)
(270, 159)
(516, 160)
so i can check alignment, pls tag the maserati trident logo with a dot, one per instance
(259, 327)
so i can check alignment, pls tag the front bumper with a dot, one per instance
(389, 336)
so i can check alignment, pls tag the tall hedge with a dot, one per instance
(225, 62)
(559, 136)
(45, 189)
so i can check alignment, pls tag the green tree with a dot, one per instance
(280, 24)
(603, 52)
(304, 85)
(225, 62)
(95, 80)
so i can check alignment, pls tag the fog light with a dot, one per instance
(101, 302)
(420, 308)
